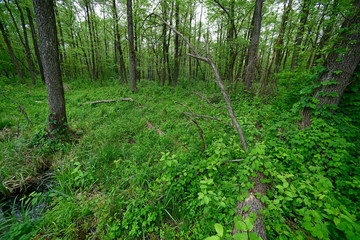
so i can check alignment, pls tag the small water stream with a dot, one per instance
(30, 204)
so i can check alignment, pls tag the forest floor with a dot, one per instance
(140, 169)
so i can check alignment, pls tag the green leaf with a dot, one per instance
(240, 236)
(333, 94)
(336, 221)
(219, 229)
(212, 238)
(246, 208)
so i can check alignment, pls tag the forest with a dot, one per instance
(179, 119)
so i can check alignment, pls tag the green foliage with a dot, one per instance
(119, 179)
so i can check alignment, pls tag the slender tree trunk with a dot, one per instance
(35, 43)
(45, 19)
(299, 36)
(252, 54)
(278, 42)
(27, 46)
(176, 44)
(91, 40)
(11, 52)
(132, 63)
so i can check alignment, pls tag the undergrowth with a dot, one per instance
(121, 179)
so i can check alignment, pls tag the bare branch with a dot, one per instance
(193, 119)
(209, 117)
(108, 101)
(234, 160)
(209, 102)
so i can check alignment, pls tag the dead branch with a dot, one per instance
(218, 80)
(209, 117)
(108, 101)
(21, 109)
(150, 126)
(234, 160)
(193, 119)
(209, 102)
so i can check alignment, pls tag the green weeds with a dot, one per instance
(119, 178)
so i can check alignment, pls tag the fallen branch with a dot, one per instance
(209, 117)
(209, 102)
(150, 126)
(192, 116)
(108, 101)
(234, 160)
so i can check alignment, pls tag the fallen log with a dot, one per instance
(255, 205)
(108, 101)
(150, 126)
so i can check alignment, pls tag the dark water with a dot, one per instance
(30, 204)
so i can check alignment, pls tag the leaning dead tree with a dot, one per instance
(218, 80)
(255, 205)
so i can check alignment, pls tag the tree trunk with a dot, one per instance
(176, 43)
(252, 54)
(276, 53)
(303, 20)
(91, 40)
(27, 46)
(35, 43)
(340, 64)
(132, 63)
(45, 19)
(11, 52)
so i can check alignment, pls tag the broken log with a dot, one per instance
(150, 126)
(108, 101)
(255, 205)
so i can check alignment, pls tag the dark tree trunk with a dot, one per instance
(35, 43)
(340, 64)
(328, 31)
(276, 53)
(93, 70)
(163, 61)
(45, 19)
(27, 46)
(132, 63)
(252, 54)
(299, 36)
(11, 52)
(62, 52)
(176, 43)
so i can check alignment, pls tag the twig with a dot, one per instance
(234, 160)
(21, 109)
(209, 102)
(209, 117)
(192, 115)
(107, 101)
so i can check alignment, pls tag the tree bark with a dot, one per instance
(176, 43)
(276, 53)
(298, 41)
(27, 46)
(11, 52)
(132, 63)
(340, 64)
(93, 69)
(35, 43)
(252, 54)
(45, 19)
